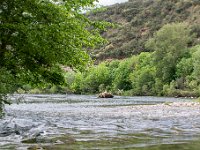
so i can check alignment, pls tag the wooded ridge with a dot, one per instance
(138, 20)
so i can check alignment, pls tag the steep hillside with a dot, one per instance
(138, 20)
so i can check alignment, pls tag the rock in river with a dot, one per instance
(105, 95)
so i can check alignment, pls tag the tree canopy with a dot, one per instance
(40, 36)
(171, 69)
(170, 45)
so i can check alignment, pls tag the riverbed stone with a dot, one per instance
(105, 95)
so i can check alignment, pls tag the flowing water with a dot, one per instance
(63, 122)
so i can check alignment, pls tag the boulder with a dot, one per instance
(105, 95)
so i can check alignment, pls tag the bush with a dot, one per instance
(96, 76)
(122, 73)
(78, 83)
(143, 77)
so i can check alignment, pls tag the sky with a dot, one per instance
(110, 2)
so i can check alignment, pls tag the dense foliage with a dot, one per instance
(40, 36)
(138, 20)
(172, 69)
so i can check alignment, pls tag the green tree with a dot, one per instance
(38, 36)
(121, 77)
(170, 46)
(183, 70)
(112, 66)
(196, 63)
(184, 67)
(78, 83)
(97, 78)
(143, 77)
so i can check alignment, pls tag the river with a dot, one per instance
(63, 122)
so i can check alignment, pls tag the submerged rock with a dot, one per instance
(105, 95)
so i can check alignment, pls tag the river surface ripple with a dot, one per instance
(87, 118)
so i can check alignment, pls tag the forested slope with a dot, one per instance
(138, 20)
(158, 44)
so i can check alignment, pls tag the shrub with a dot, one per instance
(121, 79)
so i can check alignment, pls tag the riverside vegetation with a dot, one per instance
(171, 68)
(153, 50)
(38, 37)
